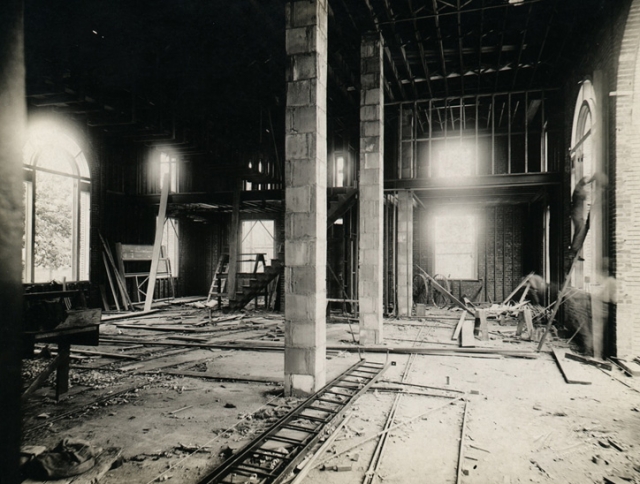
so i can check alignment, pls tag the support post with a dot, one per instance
(62, 373)
(306, 197)
(371, 180)
(405, 252)
(157, 244)
(12, 136)
(234, 245)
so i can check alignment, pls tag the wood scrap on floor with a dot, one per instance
(484, 326)
(462, 437)
(467, 338)
(212, 376)
(570, 372)
(132, 314)
(631, 368)
(456, 332)
(587, 360)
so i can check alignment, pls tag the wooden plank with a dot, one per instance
(212, 376)
(133, 314)
(512, 293)
(105, 353)
(62, 372)
(103, 295)
(456, 333)
(568, 371)
(113, 290)
(119, 259)
(169, 329)
(467, 339)
(435, 283)
(581, 235)
(42, 377)
(461, 449)
(631, 368)
(157, 244)
(588, 361)
(484, 326)
(120, 282)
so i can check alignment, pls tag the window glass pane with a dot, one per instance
(27, 235)
(455, 160)
(53, 238)
(257, 238)
(340, 171)
(57, 206)
(83, 166)
(54, 158)
(171, 244)
(83, 265)
(455, 247)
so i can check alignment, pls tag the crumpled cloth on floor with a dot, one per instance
(70, 457)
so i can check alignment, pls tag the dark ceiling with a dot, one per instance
(142, 68)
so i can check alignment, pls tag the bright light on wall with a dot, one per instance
(455, 160)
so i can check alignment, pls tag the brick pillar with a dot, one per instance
(306, 197)
(12, 126)
(626, 182)
(405, 253)
(371, 181)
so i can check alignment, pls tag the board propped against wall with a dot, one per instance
(135, 261)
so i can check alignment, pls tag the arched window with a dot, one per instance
(584, 163)
(57, 192)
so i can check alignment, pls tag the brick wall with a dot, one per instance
(500, 250)
(610, 62)
(626, 211)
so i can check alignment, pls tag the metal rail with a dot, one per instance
(271, 457)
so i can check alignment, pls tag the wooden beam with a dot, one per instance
(62, 371)
(568, 372)
(589, 361)
(234, 230)
(467, 339)
(484, 326)
(42, 377)
(157, 245)
(454, 299)
(456, 333)
(631, 368)
(462, 435)
(483, 182)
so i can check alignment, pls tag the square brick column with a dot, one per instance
(371, 202)
(306, 197)
(13, 120)
(405, 252)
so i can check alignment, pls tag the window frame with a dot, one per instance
(33, 153)
(445, 216)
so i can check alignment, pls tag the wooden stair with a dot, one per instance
(339, 203)
(256, 284)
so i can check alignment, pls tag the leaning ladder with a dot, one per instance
(217, 286)
(271, 457)
(567, 280)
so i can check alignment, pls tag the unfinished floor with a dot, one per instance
(177, 401)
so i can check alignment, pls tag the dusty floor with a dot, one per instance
(174, 410)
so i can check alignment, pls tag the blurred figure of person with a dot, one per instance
(578, 202)
(603, 300)
(537, 290)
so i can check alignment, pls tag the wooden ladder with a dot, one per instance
(219, 281)
(560, 299)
